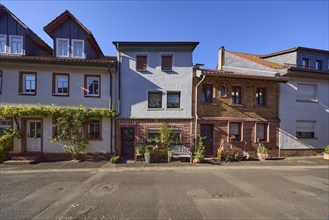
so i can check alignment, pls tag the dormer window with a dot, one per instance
(16, 44)
(62, 49)
(78, 48)
(3, 44)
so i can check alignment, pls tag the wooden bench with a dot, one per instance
(179, 151)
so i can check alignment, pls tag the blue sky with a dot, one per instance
(258, 27)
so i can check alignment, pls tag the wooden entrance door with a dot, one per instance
(33, 131)
(127, 142)
(207, 131)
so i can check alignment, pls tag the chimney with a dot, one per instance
(221, 58)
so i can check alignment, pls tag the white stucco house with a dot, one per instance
(304, 100)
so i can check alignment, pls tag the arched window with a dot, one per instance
(222, 90)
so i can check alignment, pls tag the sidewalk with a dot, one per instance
(290, 162)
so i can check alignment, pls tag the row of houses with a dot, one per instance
(280, 99)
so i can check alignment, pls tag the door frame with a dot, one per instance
(213, 136)
(120, 137)
(24, 139)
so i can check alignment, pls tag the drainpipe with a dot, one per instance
(196, 110)
(110, 107)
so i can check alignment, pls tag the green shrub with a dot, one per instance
(326, 149)
(115, 159)
(261, 149)
(6, 142)
(140, 149)
(200, 151)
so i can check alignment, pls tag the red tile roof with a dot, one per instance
(258, 59)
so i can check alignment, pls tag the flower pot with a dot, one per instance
(326, 156)
(262, 156)
(196, 160)
(147, 157)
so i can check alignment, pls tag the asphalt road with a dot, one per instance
(210, 192)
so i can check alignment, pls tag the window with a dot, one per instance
(62, 49)
(173, 99)
(318, 64)
(154, 99)
(307, 92)
(261, 132)
(60, 84)
(6, 124)
(92, 86)
(306, 63)
(3, 43)
(207, 93)
(0, 82)
(235, 131)
(16, 45)
(94, 128)
(166, 62)
(27, 83)
(222, 90)
(153, 135)
(78, 48)
(176, 136)
(261, 96)
(141, 63)
(236, 95)
(305, 129)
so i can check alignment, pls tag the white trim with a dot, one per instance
(24, 83)
(6, 46)
(83, 48)
(10, 44)
(147, 62)
(267, 131)
(99, 82)
(57, 46)
(56, 85)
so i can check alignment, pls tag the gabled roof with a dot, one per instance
(240, 75)
(59, 20)
(29, 32)
(258, 59)
(294, 49)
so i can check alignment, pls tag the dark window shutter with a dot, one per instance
(141, 62)
(166, 62)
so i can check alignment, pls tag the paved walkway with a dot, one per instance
(68, 166)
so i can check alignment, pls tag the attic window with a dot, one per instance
(3, 43)
(16, 45)
(62, 48)
(78, 48)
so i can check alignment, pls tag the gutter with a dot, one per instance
(110, 107)
(196, 110)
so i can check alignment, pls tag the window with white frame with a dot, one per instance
(173, 99)
(305, 129)
(3, 43)
(4, 124)
(154, 99)
(235, 129)
(78, 47)
(28, 83)
(318, 64)
(62, 47)
(16, 45)
(307, 92)
(94, 128)
(61, 84)
(261, 132)
(92, 86)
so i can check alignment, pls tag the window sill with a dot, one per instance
(209, 103)
(95, 139)
(309, 101)
(237, 105)
(262, 142)
(65, 95)
(174, 109)
(142, 71)
(309, 138)
(167, 70)
(31, 94)
(155, 109)
(261, 106)
(92, 96)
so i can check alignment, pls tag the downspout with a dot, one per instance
(110, 107)
(196, 110)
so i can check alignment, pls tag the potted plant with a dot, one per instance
(326, 153)
(262, 152)
(200, 152)
(140, 150)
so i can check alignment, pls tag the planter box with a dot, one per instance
(262, 156)
(326, 156)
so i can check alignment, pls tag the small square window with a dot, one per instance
(305, 129)
(78, 48)
(235, 131)
(3, 43)
(60, 84)
(173, 100)
(318, 64)
(62, 49)
(207, 93)
(16, 45)
(27, 83)
(261, 96)
(236, 94)
(141, 63)
(154, 99)
(92, 86)
(261, 131)
(166, 62)
(94, 128)
(306, 63)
